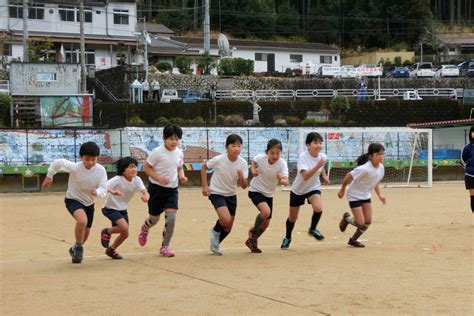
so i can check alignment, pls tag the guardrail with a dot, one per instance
(330, 93)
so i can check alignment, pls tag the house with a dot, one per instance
(269, 56)
(109, 30)
(457, 45)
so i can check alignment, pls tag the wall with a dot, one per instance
(374, 58)
(451, 137)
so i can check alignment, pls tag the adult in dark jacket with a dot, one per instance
(467, 161)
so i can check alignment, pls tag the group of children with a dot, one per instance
(88, 179)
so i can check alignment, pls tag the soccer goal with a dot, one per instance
(408, 152)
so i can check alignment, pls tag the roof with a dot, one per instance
(71, 38)
(440, 124)
(463, 39)
(154, 28)
(199, 42)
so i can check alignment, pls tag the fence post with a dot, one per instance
(121, 144)
(27, 148)
(75, 147)
(363, 151)
(207, 143)
(248, 146)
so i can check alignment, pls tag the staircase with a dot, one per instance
(26, 112)
(101, 91)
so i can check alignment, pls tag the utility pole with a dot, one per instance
(25, 32)
(207, 28)
(145, 37)
(83, 49)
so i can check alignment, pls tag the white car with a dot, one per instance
(447, 71)
(422, 70)
(168, 95)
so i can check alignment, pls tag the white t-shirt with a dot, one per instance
(266, 181)
(166, 163)
(224, 178)
(365, 178)
(128, 190)
(81, 180)
(306, 162)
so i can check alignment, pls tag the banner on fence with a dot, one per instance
(66, 111)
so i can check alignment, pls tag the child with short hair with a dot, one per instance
(467, 161)
(307, 186)
(87, 180)
(268, 170)
(228, 169)
(365, 178)
(121, 189)
(164, 168)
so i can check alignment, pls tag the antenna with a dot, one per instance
(223, 44)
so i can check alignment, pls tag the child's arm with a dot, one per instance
(379, 194)
(145, 195)
(59, 164)
(282, 179)
(181, 176)
(253, 168)
(242, 180)
(345, 182)
(309, 173)
(325, 177)
(101, 190)
(148, 169)
(465, 155)
(205, 188)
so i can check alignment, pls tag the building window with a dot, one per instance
(335, 58)
(325, 59)
(15, 9)
(36, 12)
(75, 57)
(120, 16)
(452, 49)
(261, 56)
(46, 76)
(72, 14)
(7, 49)
(294, 58)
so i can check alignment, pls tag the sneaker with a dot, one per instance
(253, 245)
(316, 234)
(166, 251)
(215, 249)
(343, 223)
(355, 243)
(286, 243)
(142, 237)
(112, 253)
(76, 254)
(105, 238)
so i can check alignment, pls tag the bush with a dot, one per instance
(161, 121)
(226, 67)
(293, 120)
(309, 122)
(234, 120)
(198, 121)
(398, 60)
(339, 105)
(136, 120)
(163, 66)
(178, 121)
(183, 63)
(407, 62)
(235, 66)
(220, 119)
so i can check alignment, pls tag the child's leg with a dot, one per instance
(80, 231)
(362, 219)
(471, 193)
(151, 221)
(122, 229)
(317, 204)
(290, 222)
(170, 218)
(224, 223)
(262, 220)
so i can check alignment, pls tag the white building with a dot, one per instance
(109, 29)
(274, 56)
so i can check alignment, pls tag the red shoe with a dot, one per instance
(105, 238)
(113, 254)
(253, 245)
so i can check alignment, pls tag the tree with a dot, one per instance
(39, 50)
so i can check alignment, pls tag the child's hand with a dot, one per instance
(240, 174)
(46, 183)
(255, 172)
(145, 197)
(183, 180)
(320, 164)
(115, 192)
(93, 191)
(340, 194)
(326, 180)
(382, 199)
(205, 191)
(164, 180)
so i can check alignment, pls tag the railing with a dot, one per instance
(330, 93)
(104, 90)
(5, 86)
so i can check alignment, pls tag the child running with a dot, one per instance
(121, 189)
(87, 179)
(268, 170)
(307, 186)
(365, 177)
(164, 168)
(228, 169)
(467, 161)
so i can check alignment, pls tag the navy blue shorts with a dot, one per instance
(354, 204)
(298, 200)
(73, 205)
(469, 182)
(220, 201)
(258, 198)
(161, 198)
(115, 215)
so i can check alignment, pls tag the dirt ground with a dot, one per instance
(418, 260)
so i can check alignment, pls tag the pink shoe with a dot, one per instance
(142, 237)
(166, 251)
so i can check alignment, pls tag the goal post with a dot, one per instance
(408, 152)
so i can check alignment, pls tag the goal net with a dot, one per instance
(408, 153)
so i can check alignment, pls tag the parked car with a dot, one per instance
(465, 66)
(192, 96)
(447, 71)
(397, 72)
(422, 70)
(168, 95)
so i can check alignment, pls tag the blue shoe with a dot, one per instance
(316, 234)
(286, 243)
(76, 253)
(215, 248)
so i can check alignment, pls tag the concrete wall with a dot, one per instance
(375, 57)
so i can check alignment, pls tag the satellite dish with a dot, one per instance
(223, 44)
(147, 37)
